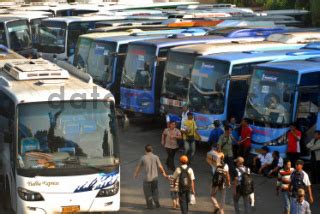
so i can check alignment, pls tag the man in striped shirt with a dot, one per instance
(283, 182)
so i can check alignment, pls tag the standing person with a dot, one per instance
(300, 205)
(225, 146)
(242, 186)
(314, 147)
(151, 163)
(293, 137)
(284, 179)
(220, 180)
(185, 176)
(184, 115)
(169, 141)
(215, 134)
(245, 142)
(189, 133)
(235, 135)
(300, 180)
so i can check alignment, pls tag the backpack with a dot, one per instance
(246, 184)
(297, 181)
(184, 180)
(219, 177)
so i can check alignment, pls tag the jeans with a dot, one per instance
(218, 204)
(189, 149)
(184, 199)
(246, 202)
(286, 199)
(170, 159)
(151, 193)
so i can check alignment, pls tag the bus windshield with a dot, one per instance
(19, 35)
(76, 29)
(177, 75)
(82, 52)
(100, 61)
(52, 37)
(67, 135)
(271, 96)
(3, 37)
(208, 86)
(137, 72)
(35, 25)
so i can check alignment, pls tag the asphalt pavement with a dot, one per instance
(142, 132)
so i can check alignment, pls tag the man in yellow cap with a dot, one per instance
(185, 176)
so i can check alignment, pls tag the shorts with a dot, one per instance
(174, 195)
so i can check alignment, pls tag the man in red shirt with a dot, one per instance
(245, 142)
(293, 139)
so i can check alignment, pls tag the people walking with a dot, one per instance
(300, 205)
(242, 186)
(189, 134)
(170, 137)
(174, 192)
(283, 181)
(150, 163)
(245, 141)
(220, 180)
(185, 176)
(294, 137)
(300, 180)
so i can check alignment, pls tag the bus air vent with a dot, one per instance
(34, 69)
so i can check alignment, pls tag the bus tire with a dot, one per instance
(7, 197)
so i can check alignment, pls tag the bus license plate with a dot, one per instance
(70, 209)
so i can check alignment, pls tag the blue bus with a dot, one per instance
(295, 86)
(143, 71)
(102, 55)
(219, 83)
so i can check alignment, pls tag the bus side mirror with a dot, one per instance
(8, 137)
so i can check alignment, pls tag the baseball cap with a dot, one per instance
(184, 159)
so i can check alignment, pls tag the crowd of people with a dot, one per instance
(232, 166)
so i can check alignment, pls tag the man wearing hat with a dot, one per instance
(237, 192)
(185, 177)
(300, 180)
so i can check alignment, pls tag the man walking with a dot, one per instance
(283, 184)
(189, 134)
(242, 186)
(151, 163)
(185, 176)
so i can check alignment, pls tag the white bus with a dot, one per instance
(58, 140)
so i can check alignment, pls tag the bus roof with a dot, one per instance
(69, 19)
(41, 90)
(10, 18)
(256, 56)
(169, 42)
(300, 66)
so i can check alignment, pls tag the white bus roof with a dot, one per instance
(69, 19)
(42, 89)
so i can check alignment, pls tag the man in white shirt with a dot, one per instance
(184, 115)
(263, 160)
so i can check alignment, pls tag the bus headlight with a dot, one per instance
(109, 192)
(28, 195)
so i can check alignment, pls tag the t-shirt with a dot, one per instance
(184, 117)
(265, 159)
(306, 179)
(293, 143)
(169, 139)
(177, 172)
(215, 158)
(225, 143)
(190, 126)
(215, 135)
(284, 179)
(150, 162)
(246, 131)
(239, 171)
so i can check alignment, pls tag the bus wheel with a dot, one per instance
(7, 197)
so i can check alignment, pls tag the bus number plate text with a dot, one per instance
(70, 209)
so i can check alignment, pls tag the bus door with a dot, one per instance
(238, 89)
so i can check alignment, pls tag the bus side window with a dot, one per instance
(6, 118)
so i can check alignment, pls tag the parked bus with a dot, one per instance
(219, 84)
(6, 54)
(181, 59)
(59, 149)
(102, 55)
(15, 34)
(294, 89)
(58, 36)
